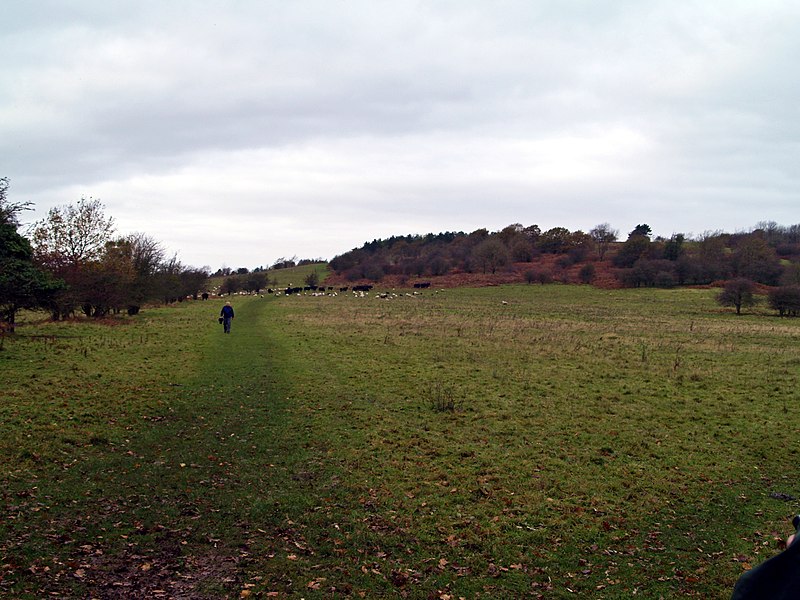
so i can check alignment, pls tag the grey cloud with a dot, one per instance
(457, 112)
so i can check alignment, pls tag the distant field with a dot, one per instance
(284, 277)
(518, 441)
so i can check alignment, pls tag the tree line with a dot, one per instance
(769, 255)
(72, 261)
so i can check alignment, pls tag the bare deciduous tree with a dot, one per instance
(603, 235)
(737, 293)
(492, 254)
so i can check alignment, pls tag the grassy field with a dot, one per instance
(520, 441)
(282, 278)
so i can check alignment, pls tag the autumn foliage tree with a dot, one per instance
(68, 243)
(73, 234)
(106, 274)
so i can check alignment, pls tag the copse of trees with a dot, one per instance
(710, 258)
(288, 263)
(248, 283)
(477, 252)
(769, 254)
(173, 281)
(786, 300)
(74, 262)
(252, 283)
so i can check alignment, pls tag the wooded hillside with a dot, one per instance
(769, 254)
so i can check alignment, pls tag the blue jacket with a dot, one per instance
(227, 312)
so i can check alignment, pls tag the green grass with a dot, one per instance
(296, 276)
(517, 441)
(282, 278)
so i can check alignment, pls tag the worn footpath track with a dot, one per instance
(160, 505)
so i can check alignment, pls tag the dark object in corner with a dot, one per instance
(777, 578)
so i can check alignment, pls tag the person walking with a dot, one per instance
(227, 316)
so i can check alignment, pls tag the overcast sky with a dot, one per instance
(240, 132)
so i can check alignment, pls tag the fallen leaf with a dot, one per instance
(399, 578)
(316, 583)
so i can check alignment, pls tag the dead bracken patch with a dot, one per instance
(603, 277)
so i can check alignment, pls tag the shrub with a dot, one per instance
(786, 300)
(565, 262)
(540, 276)
(522, 251)
(373, 272)
(665, 279)
(439, 266)
(578, 253)
(312, 279)
(587, 273)
(441, 397)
